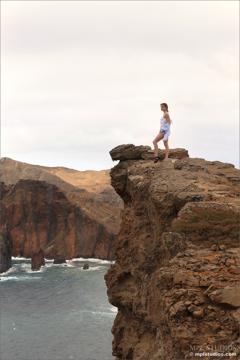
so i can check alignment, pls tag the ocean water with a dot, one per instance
(58, 313)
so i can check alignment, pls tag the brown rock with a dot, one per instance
(132, 152)
(52, 222)
(128, 152)
(228, 295)
(198, 313)
(173, 213)
(89, 191)
(5, 248)
(59, 259)
(37, 260)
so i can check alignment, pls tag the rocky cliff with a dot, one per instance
(40, 216)
(176, 279)
(65, 212)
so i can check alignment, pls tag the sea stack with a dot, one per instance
(176, 276)
(59, 259)
(37, 260)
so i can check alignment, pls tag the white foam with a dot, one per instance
(101, 261)
(114, 309)
(66, 264)
(9, 271)
(101, 313)
(18, 278)
(27, 268)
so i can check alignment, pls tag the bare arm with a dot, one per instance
(166, 116)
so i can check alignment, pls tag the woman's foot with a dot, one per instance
(156, 159)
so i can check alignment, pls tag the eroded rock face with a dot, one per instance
(5, 239)
(31, 196)
(177, 271)
(59, 259)
(5, 250)
(40, 216)
(37, 260)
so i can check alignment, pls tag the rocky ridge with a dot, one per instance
(176, 279)
(63, 212)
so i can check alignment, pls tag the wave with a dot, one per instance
(101, 261)
(92, 268)
(114, 309)
(21, 268)
(19, 278)
(101, 313)
(26, 267)
(66, 264)
(9, 271)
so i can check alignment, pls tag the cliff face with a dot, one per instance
(5, 250)
(40, 216)
(176, 279)
(90, 190)
(69, 213)
(5, 240)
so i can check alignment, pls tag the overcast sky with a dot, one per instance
(81, 77)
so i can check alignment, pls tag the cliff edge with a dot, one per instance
(176, 279)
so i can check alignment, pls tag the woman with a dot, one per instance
(164, 132)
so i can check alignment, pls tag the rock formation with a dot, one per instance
(85, 266)
(5, 240)
(176, 278)
(58, 259)
(40, 215)
(89, 210)
(37, 260)
(5, 249)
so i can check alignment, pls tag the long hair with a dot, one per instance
(166, 105)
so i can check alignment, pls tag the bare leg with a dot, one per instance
(167, 149)
(155, 141)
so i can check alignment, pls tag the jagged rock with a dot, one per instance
(132, 152)
(5, 237)
(228, 295)
(128, 152)
(59, 259)
(85, 266)
(5, 249)
(88, 206)
(52, 222)
(177, 256)
(37, 260)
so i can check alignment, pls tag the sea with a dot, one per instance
(60, 312)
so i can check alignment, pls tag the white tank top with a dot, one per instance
(164, 124)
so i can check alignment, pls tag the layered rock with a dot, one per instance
(176, 276)
(89, 197)
(40, 216)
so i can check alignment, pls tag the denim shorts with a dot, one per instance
(166, 134)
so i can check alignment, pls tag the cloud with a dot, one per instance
(82, 77)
